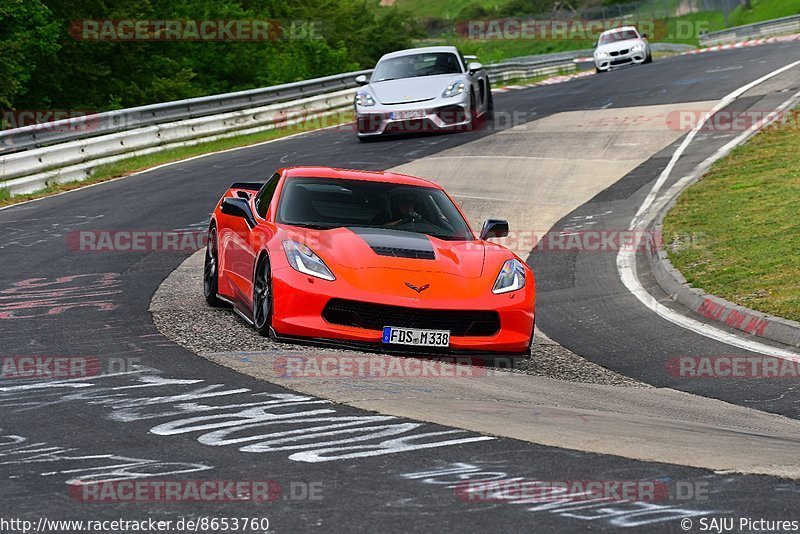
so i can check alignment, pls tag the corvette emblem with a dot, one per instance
(419, 289)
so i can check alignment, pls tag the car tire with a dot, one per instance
(473, 114)
(490, 106)
(598, 71)
(211, 270)
(649, 58)
(262, 297)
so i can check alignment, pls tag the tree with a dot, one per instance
(28, 34)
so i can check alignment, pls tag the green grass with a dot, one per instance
(440, 9)
(764, 10)
(675, 29)
(735, 232)
(138, 163)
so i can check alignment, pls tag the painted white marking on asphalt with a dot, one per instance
(626, 259)
(306, 428)
(489, 198)
(723, 69)
(474, 483)
(682, 148)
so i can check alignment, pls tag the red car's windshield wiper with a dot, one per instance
(315, 226)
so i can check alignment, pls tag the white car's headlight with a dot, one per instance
(601, 54)
(511, 277)
(455, 88)
(364, 99)
(303, 259)
(637, 46)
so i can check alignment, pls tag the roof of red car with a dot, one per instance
(351, 174)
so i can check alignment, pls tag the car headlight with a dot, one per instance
(637, 46)
(455, 88)
(364, 99)
(303, 259)
(601, 54)
(511, 277)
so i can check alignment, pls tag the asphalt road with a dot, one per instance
(165, 419)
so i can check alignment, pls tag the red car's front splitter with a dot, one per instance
(299, 301)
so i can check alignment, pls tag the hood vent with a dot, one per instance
(396, 243)
(405, 253)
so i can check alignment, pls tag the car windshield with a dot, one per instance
(414, 65)
(622, 35)
(326, 203)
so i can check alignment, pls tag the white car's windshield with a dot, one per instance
(411, 66)
(622, 35)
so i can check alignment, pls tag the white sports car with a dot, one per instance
(621, 46)
(422, 89)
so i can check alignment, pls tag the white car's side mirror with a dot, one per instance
(361, 79)
(474, 67)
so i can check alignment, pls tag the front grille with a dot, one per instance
(411, 126)
(405, 253)
(452, 114)
(376, 316)
(370, 122)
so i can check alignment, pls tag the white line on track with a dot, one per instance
(490, 198)
(626, 259)
(537, 158)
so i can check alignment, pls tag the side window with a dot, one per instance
(265, 195)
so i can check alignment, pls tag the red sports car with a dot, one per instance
(369, 260)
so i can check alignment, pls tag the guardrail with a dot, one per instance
(50, 133)
(767, 28)
(69, 150)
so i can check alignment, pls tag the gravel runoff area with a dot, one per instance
(182, 315)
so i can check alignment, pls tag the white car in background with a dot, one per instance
(422, 89)
(621, 46)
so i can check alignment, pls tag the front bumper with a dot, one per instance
(299, 301)
(383, 119)
(627, 58)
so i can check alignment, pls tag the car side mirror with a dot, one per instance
(361, 79)
(644, 36)
(494, 228)
(474, 67)
(238, 207)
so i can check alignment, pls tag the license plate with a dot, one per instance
(411, 336)
(412, 114)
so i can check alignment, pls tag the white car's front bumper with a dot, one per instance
(428, 116)
(619, 58)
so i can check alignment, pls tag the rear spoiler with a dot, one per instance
(248, 186)
(240, 189)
